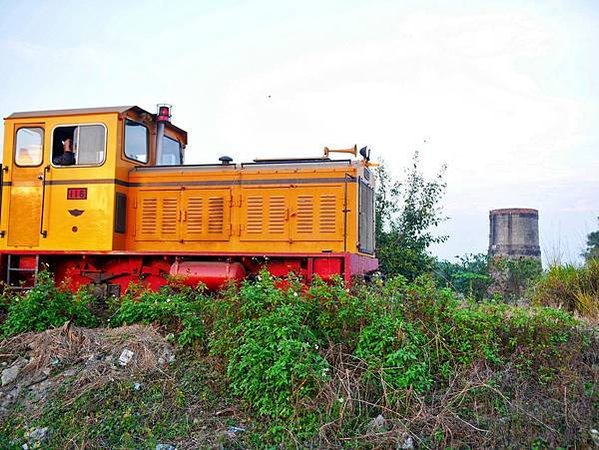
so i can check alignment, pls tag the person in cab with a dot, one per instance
(68, 157)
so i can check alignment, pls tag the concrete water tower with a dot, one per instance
(514, 233)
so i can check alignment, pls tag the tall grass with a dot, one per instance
(573, 288)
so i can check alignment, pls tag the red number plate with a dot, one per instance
(76, 193)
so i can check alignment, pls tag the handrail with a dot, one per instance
(2, 169)
(42, 177)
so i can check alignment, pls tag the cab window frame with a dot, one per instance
(16, 132)
(148, 138)
(76, 125)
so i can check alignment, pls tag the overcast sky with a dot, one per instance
(506, 93)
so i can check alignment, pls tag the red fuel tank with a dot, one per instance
(212, 273)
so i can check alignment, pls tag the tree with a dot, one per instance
(406, 214)
(469, 275)
(592, 250)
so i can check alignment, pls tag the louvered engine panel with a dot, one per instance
(277, 212)
(206, 215)
(318, 216)
(329, 212)
(254, 213)
(157, 216)
(149, 213)
(195, 216)
(169, 225)
(216, 215)
(305, 215)
(265, 215)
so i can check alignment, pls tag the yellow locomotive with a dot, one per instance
(101, 195)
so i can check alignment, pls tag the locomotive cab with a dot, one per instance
(65, 175)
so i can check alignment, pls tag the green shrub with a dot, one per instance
(397, 351)
(234, 308)
(47, 306)
(266, 335)
(468, 276)
(441, 335)
(337, 316)
(514, 276)
(458, 332)
(536, 339)
(276, 364)
(178, 310)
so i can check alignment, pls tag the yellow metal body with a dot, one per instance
(259, 208)
(252, 210)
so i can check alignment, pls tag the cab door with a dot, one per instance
(26, 187)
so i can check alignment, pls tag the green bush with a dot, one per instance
(271, 348)
(179, 311)
(396, 350)
(458, 331)
(536, 339)
(276, 364)
(468, 276)
(514, 276)
(47, 306)
(234, 308)
(337, 316)
(414, 336)
(429, 335)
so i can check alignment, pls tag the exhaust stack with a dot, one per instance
(163, 116)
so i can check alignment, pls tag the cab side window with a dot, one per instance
(172, 154)
(136, 141)
(90, 144)
(29, 147)
(81, 145)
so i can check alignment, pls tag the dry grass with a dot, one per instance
(573, 288)
(480, 407)
(90, 355)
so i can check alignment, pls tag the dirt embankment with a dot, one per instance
(58, 385)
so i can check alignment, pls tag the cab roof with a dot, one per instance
(73, 112)
(83, 111)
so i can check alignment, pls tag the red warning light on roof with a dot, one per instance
(164, 113)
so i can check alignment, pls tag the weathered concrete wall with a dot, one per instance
(514, 232)
(515, 254)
